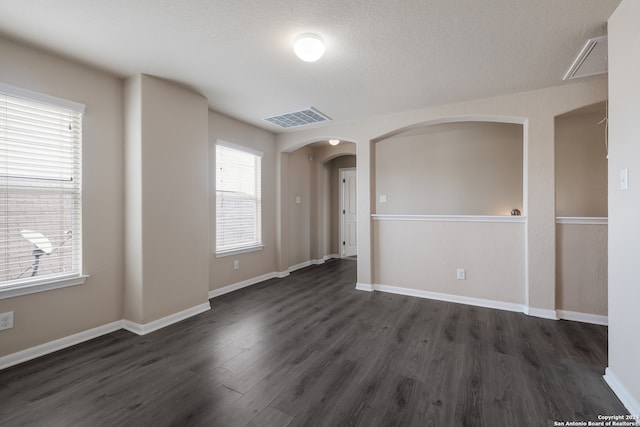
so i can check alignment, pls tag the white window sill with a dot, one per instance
(222, 254)
(41, 286)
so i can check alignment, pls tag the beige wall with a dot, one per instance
(451, 169)
(300, 186)
(46, 316)
(581, 163)
(492, 255)
(582, 268)
(252, 264)
(133, 301)
(172, 178)
(624, 205)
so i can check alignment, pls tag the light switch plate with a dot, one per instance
(624, 179)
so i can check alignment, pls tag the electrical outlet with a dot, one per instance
(461, 274)
(236, 264)
(6, 320)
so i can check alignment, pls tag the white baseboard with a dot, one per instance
(541, 312)
(478, 302)
(324, 259)
(500, 305)
(312, 262)
(282, 274)
(629, 401)
(235, 286)
(299, 266)
(365, 287)
(59, 344)
(596, 319)
(146, 328)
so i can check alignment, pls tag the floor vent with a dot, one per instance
(591, 60)
(303, 117)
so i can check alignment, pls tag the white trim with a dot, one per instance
(59, 344)
(595, 319)
(541, 312)
(582, 220)
(299, 266)
(450, 218)
(222, 254)
(18, 92)
(139, 329)
(489, 118)
(41, 286)
(307, 264)
(365, 287)
(479, 302)
(281, 274)
(323, 259)
(627, 399)
(239, 285)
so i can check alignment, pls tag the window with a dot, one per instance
(40, 194)
(238, 199)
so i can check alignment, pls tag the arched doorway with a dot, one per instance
(311, 201)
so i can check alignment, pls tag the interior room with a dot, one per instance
(431, 222)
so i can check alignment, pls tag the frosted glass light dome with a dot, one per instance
(309, 47)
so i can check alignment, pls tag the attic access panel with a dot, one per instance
(591, 61)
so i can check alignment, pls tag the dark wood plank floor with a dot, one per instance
(310, 350)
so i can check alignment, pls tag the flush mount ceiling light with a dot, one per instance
(309, 47)
(334, 141)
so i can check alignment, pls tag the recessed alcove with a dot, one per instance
(443, 194)
(581, 162)
(581, 213)
(462, 168)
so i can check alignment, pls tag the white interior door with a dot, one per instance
(348, 223)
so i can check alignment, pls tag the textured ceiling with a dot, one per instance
(382, 56)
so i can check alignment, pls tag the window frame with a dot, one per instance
(41, 284)
(239, 249)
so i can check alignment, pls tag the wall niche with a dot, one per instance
(461, 168)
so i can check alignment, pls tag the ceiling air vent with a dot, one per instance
(591, 60)
(304, 117)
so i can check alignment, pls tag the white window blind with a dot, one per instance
(238, 198)
(40, 193)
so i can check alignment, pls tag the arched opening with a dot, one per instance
(461, 168)
(311, 199)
